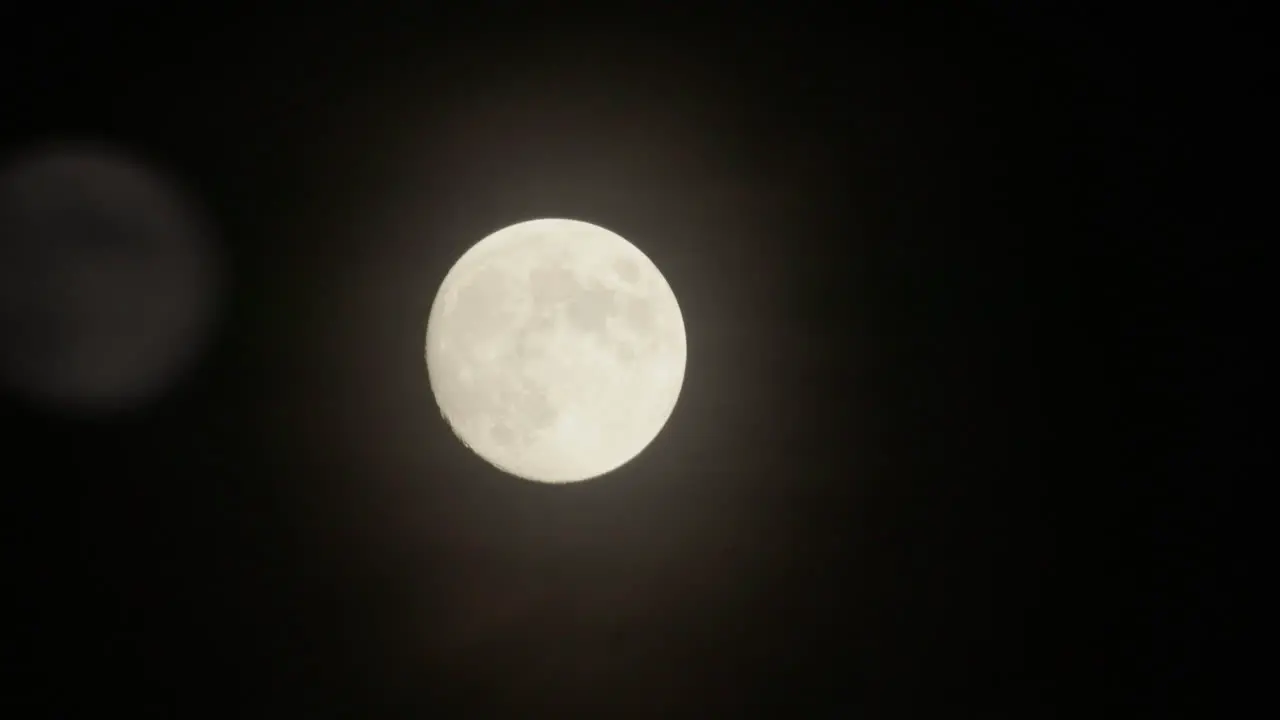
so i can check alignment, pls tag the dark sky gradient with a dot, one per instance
(913, 254)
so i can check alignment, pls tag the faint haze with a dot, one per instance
(107, 278)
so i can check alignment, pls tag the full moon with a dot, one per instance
(555, 350)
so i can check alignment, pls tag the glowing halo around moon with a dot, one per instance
(555, 350)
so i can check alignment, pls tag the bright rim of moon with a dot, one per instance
(555, 350)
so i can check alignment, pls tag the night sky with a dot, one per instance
(912, 253)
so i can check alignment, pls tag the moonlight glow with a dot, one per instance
(555, 350)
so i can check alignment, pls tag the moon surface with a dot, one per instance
(555, 350)
(106, 279)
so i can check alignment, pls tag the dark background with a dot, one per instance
(939, 344)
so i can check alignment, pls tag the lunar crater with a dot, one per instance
(591, 307)
(626, 271)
